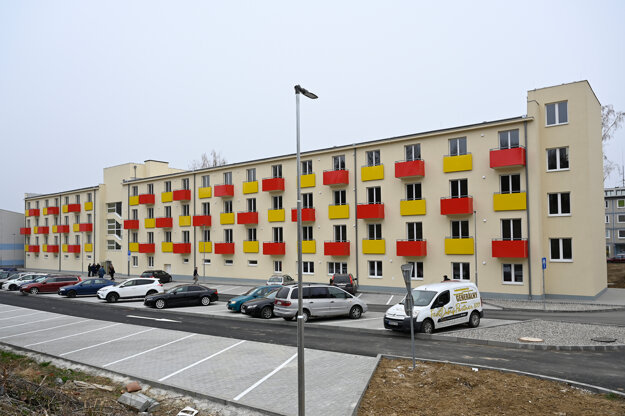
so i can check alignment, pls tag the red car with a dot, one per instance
(50, 284)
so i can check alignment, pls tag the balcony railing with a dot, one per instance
(86, 227)
(410, 169)
(71, 208)
(336, 248)
(338, 211)
(224, 190)
(373, 246)
(459, 245)
(205, 247)
(516, 201)
(182, 195)
(25, 231)
(274, 248)
(507, 158)
(33, 212)
(72, 248)
(370, 211)
(51, 211)
(42, 230)
(147, 199)
(164, 222)
(202, 221)
(182, 248)
(335, 177)
(307, 181)
(458, 163)
(64, 229)
(250, 246)
(250, 217)
(250, 187)
(308, 215)
(517, 249)
(224, 248)
(412, 207)
(226, 218)
(372, 173)
(50, 248)
(412, 248)
(33, 248)
(273, 184)
(131, 224)
(457, 206)
(275, 215)
(147, 247)
(205, 192)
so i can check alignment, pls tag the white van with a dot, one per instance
(438, 305)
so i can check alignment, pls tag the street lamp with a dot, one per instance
(301, 402)
(406, 271)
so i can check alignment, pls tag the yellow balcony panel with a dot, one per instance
(459, 246)
(250, 246)
(458, 163)
(65, 208)
(275, 215)
(133, 200)
(309, 247)
(510, 202)
(373, 246)
(76, 228)
(88, 206)
(206, 247)
(64, 248)
(206, 192)
(150, 222)
(88, 248)
(308, 181)
(338, 211)
(167, 196)
(416, 207)
(133, 247)
(184, 221)
(26, 247)
(167, 247)
(226, 218)
(372, 173)
(250, 187)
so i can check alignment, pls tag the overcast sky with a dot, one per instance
(90, 84)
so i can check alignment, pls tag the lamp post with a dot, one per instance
(406, 271)
(301, 402)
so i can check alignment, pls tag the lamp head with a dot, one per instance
(300, 90)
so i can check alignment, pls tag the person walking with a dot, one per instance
(101, 271)
(112, 271)
(195, 275)
(89, 270)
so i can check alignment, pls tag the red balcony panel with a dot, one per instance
(131, 224)
(25, 231)
(510, 248)
(457, 206)
(370, 211)
(336, 248)
(51, 248)
(274, 249)
(43, 230)
(224, 248)
(33, 249)
(308, 214)
(507, 158)
(247, 218)
(412, 248)
(146, 199)
(164, 222)
(202, 221)
(273, 184)
(85, 227)
(33, 212)
(335, 177)
(182, 195)
(53, 211)
(73, 208)
(182, 248)
(410, 169)
(224, 190)
(146, 248)
(62, 229)
(73, 248)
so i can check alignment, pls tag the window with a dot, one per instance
(606, 204)
(227, 178)
(337, 268)
(511, 229)
(150, 212)
(340, 233)
(620, 203)
(307, 233)
(77, 200)
(186, 237)
(413, 191)
(227, 207)
(66, 220)
(134, 214)
(277, 266)
(276, 171)
(277, 235)
(134, 190)
(458, 146)
(621, 233)
(251, 205)
(134, 237)
(512, 273)
(607, 233)
(252, 263)
(558, 158)
(340, 197)
(417, 270)
(307, 200)
(559, 204)
(185, 210)
(561, 249)
(413, 152)
(185, 183)
(620, 218)
(135, 261)
(307, 167)
(277, 202)
(375, 269)
(374, 231)
(168, 236)
(114, 228)
(251, 234)
(373, 158)
(112, 245)
(206, 235)
(460, 271)
(459, 188)
(374, 195)
(207, 261)
(414, 231)
(167, 186)
(308, 267)
(168, 211)
(66, 201)
(228, 235)
(510, 184)
(250, 175)
(557, 113)
(114, 208)
(509, 139)
(89, 198)
(338, 162)
(150, 237)
(607, 219)
(206, 181)
(460, 229)
(150, 188)
(76, 219)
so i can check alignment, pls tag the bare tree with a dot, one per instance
(206, 161)
(611, 120)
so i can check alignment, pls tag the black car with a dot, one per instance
(345, 282)
(183, 295)
(161, 275)
(261, 307)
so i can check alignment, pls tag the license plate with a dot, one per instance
(391, 323)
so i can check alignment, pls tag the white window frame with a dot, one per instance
(377, 269)
(308, 267)
(618, 234)
(620, 203)
(150, 261)
(513, 267)
(228, 262)
(337, 267)
(607, 219)
(135, 261)
(462, 266)
(307, 167)
(558, 167)
(459, 143)
(277, 266)
(557, 109)
(415, 270)
(607, 233)
(561, 246)
(252, 263)
(559, 213)
(620, 217)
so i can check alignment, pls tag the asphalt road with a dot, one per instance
(604, 369)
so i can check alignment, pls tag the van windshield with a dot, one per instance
(422, 297)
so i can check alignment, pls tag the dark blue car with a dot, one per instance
(258, 292)
(87, 287)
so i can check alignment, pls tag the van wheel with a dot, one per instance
(112, 297)
(427, 327)
(305, 315)
(474, 320)
(355, 312)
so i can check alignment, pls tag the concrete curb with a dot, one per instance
(607, 308)
(364, 391)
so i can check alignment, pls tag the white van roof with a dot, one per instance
(446, 285)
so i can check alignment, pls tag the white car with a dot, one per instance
(14, 284)
(137, 288)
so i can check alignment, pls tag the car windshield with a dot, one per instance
(40, 279)
(272, 295)
(174, 289)
(421, 297)
(252, 291)
(146, 274)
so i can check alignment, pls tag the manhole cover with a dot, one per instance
(604, 339)
(530, 339)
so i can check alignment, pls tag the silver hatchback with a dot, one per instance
(318, 301)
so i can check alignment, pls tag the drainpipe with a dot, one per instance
(95, 226)
(128, 216)
(475, 243)
(192, 227)
(527, 204)
(355, 217)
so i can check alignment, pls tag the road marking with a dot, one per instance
(150, 350)
(15, 317)
(13, 310)
(33, 322)
(200, 362)
(69, 336)
(262, 380)
(106, 342)
(389, 300)
(45, 329)
(359, 295)
(152, 319)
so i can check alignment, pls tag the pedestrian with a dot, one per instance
(89, 270)
(96, 269)
(112, 271)
(195, 275)
(100, 271)
(445, 278)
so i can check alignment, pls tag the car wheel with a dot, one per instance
(427, 327)
(474, 320)
(266, 312)
(12, 287)
(305, 315)
(112, 297)
(151, 292)
(205, 301)
(355, 312)
(71, 294)
(34, 290)
(160, 304)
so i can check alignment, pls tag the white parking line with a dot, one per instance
(69, 336)
(200, 362)
(12, 310)
(45, 329)
(262, 380)
(106, 342)
(150, 350)
(389, 300)
(33, 322)
(15, 317)
(359, 295)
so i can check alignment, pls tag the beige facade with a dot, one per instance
(484, 202)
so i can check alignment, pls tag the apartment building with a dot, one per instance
(484, 202)
(614, 221)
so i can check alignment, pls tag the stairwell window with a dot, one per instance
(561, 249)
(558, 159)
(559, 204)
(509, 139)
(557, 113)
(458, 146)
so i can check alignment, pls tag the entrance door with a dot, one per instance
(167, 268)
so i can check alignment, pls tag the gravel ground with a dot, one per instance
(552, 333)
(549, 305)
